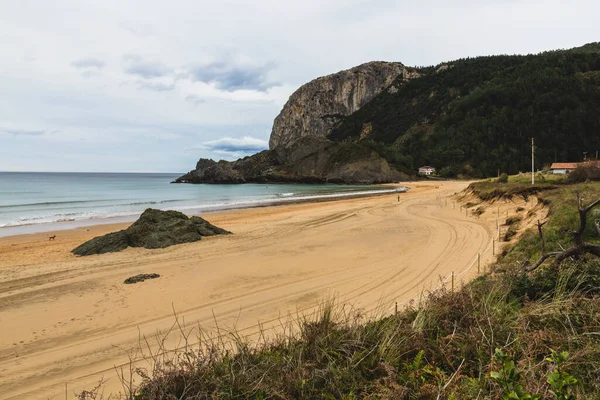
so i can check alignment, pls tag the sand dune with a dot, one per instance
(70, 319)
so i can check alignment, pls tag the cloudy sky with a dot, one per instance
(149, 85)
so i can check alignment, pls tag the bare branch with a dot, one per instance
(539, 262)
(578, 249)
(543, 243)
(594, 204)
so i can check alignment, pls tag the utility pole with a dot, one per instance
(532, 162)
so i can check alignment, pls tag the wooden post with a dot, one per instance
(478, 262)
(66, 394)
(396, 311)
(453, 281)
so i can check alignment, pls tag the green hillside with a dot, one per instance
(478, 115)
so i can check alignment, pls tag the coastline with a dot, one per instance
(72, 320)
(123, 221)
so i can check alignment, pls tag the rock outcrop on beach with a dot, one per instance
(329, 162)
(155, 229)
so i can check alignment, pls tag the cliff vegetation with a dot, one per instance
(476, 116)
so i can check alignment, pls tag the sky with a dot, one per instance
(151, 86)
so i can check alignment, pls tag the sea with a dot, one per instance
(43, 201)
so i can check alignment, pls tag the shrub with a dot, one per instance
(585, 172)
(503, 178)
(510, 232)
(513, 220)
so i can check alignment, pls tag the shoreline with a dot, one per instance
(61, 226)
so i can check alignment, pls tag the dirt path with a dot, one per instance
(69, 319)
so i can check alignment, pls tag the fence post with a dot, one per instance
(396, 312)
(453, 281)
(478, 262)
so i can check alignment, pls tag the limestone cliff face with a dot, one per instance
(316, 107)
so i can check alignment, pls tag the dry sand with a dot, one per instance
(66, 319)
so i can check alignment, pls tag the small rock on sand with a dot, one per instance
(140, 278)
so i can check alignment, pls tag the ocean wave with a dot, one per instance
(268, 199)
(56, 205)
(67, 217)
(52, 203)
(141, 203)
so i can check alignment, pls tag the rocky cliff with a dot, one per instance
(299, 148)
(468, 117)
(316, 107)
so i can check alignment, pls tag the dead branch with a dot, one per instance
(579, 247)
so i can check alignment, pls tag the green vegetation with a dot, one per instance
(502, 178)
(513, 227)
(478, 115)
(584, 173)
(506, 335)
(349, 151)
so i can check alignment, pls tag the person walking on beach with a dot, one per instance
(398, 198)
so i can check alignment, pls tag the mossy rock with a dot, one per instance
(155, 229)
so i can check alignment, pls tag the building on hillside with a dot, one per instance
(426, 170)
(563, 168)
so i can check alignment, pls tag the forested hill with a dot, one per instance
(477, 115)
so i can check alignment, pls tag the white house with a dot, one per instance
(426, 170)
(562, 168)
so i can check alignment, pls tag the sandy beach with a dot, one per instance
(68, 321)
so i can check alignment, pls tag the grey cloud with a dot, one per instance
(25, 132)
(85, 63)
(230, 77)
(244, 145)
(136, 65)
(89, 73)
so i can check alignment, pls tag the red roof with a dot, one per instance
(563, 165)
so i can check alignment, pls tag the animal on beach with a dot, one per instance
(52, 237)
